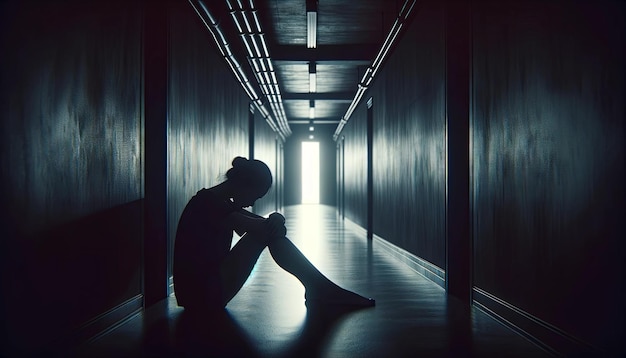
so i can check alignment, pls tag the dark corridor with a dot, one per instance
(471, 171)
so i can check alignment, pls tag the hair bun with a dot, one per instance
(239, 162)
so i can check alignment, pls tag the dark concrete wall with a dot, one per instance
(355, 167)
(328, 162)
(207, 113)
(293, 169)
(409, 143)
(71, 176)
(546, 150)
(266, 150)
(548, 162)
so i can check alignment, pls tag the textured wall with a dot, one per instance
(207, 113)
(409, 140)
(409, 143)
(548, 162)
(265, 150)
(328, 163)
(70, 144)
(293, 169)
(355, 167)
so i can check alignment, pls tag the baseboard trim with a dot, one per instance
(543, 334)
(101, 324)
(416, 263)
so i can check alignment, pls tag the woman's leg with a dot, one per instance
(238, 264)
(318, 287)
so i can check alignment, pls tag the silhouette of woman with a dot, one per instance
(208, 273)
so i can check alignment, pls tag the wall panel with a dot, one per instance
(548, 162)
(207, 113)
(355, 166)
(409, 143)
(71, 179)
(265, 150)
(328, 163)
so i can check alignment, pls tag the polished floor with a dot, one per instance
(413, 316)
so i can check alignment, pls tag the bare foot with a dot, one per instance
(338, 296)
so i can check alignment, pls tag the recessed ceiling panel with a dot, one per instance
(349, 33)
(299, 110)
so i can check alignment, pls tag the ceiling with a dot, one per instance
(350, 33)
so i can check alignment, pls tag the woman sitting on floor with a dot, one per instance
(208, 273)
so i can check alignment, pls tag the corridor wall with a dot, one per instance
(548, 162)
(71, 177)
(354, 164)
(408, 104)
(267, 150)
(207, 113)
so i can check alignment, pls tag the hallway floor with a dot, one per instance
(268, 318)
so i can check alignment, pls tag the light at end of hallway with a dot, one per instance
(310, 172)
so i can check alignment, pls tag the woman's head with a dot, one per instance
(251, 179)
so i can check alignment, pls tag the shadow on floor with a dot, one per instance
(219, 335)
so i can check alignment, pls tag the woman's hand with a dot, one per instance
(276, 225)
(246, 222)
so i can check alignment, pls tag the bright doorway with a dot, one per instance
(310, 172)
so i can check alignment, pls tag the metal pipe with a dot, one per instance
(254, 41)
(380, 57)
(212, 25)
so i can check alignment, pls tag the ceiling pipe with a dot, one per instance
(212, 25)
(372, 70)
(244, 17)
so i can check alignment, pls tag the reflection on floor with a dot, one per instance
(268, 318)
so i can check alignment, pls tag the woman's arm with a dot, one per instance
(244, 221)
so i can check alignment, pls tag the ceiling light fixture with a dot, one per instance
(312, 83)
(311, 23)
(247, 22)
(371, 71)
(312, 77)
(212, 24)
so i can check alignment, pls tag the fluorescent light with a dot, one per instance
(311, 112)
(255, 63)
(248, 47)
(236, 21)
(256, 47)
(311, 136)
(312, 82)
(256, 21)
(265, 51)
(311, 29)
(311, 129)
(245, 19)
